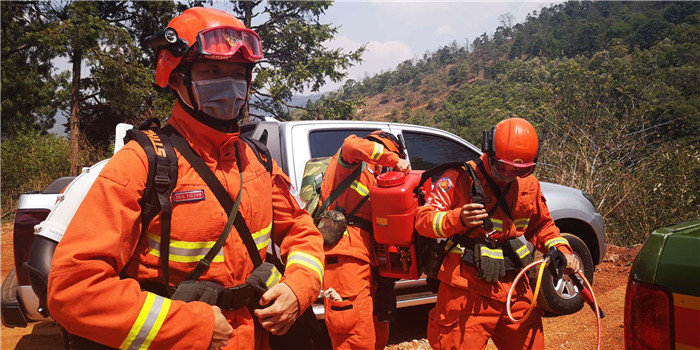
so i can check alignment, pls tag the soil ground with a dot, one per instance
(576, 331)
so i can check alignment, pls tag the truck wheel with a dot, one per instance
(561, 297)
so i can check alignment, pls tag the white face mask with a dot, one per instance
(220, 98)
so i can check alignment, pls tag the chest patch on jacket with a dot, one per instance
(188, 196)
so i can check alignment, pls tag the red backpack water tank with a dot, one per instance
(394, 205)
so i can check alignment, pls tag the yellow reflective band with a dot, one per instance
(148, 323)
(360, 188)
(187, 258)
(497, 224)
(554, 241)
(522, 251)
(183, 244)
(346, 233)
(437, 223)
(457, 249)
(521, 223)
(262, 237)
(378, 151)
(492, 253)
(274, 278)
(183, 253)
(308, 260)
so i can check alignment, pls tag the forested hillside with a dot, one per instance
(612, 87)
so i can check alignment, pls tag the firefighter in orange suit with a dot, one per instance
(207, 57)
(474, 286)
(350, 321)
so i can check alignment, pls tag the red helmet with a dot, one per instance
(389, 141)
(513, 146)
(205, 32)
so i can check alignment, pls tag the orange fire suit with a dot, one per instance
(89, 299)
(348, 263)
(470, 310)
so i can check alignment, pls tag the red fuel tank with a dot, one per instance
(394, 205)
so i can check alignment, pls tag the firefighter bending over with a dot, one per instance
(479, 266)
(207, 57)
(349, 257)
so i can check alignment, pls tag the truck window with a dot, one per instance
(325, 143)
(427, 151)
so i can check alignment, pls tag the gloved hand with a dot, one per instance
(557, 263)
(206, 291)
(488, 261)
(385, 300)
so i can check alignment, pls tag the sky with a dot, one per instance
(395, 31)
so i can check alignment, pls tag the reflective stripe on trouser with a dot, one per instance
(350, 323)
(148, 323)
(465, 320)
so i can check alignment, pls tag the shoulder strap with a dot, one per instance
(477, 194)
(161, 181)
(259, 149)
(219, 191)
(497, 191)
(340, 189)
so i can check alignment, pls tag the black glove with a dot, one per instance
(263, 278)
(520, 253)
(205, 291)
(488, 261)
(557, 263)
(385, 300)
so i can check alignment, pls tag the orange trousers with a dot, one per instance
(465, 320)
(350, 322)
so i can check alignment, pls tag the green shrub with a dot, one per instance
(31, 161)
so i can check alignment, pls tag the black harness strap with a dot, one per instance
(162, 178)
(340, 189)
(500, 195)
(219, 191)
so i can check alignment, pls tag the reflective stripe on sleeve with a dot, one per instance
(555, 241)
(262, 237)
(521, 223)
(437, 223)
(378, 151)
(182, 251)
(491, 253)
(307, 260)
(360, 188)
(148, 323)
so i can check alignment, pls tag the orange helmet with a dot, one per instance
(513, 146)
(205, 32)
(389, 141)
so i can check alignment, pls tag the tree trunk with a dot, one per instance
(74, 115)
(247, 18)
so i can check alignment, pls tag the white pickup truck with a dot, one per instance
(292, 144)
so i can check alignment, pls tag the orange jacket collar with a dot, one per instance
(202, 138)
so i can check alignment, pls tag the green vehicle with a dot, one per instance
(662, 303)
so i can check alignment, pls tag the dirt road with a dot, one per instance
(577, 331)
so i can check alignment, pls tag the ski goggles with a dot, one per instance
(223, 42)
(512, 169)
